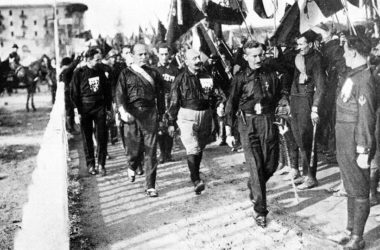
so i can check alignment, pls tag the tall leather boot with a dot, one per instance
(344, 237)
(191, 163)
(361, 212)
(199, 185)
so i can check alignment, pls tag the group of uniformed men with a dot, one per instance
(151, 103)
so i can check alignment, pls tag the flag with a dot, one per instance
(141, 34)
(258, 6)
(206, 44)
(184, 15)
(226, 15)
(161, 32)
(329, 7)
(288, 29)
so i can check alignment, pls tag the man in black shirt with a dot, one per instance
(254, 95)
(140, 101)
(191, 96)
(92, 97)
(168, 72)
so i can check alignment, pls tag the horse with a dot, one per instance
(25, 78)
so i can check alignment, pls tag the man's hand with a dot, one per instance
(77, 116)
(125, 116)
(229, 138)
(362, 161)
(230, 141)
(220, 110)
(171, 131)
(314, 115)
(314, 118)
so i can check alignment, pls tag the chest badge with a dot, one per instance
(266, 86)
(94, 83)
(362, 100)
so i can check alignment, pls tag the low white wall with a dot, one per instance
(45, 221)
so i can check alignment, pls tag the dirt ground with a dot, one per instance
(115, 213)
(20, 133)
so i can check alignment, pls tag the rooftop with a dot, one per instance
(35, 3)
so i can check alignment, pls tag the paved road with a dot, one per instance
(119, 216)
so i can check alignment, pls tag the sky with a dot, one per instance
(103, 16)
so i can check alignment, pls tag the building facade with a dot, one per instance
(31, 27)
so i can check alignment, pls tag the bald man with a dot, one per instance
(190, 97)
(141, 104)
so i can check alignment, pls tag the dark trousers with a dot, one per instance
(166, 144)
(100, 130)
(69, 113)
(222, 128)
(303, 132)
(356, 180)
(259, 139)
(111, 125)
(140, 141)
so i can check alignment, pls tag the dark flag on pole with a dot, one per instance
(288, 29)
(141, 34)
(258, 6)
(184, 15)
(355, 2)
(161, 32)
(226, 15)
(330, 7)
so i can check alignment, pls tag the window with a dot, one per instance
(35, 33)
(35, 22)
(12, 34)
(10, 12)
(11, 23)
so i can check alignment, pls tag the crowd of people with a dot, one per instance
(323, 92)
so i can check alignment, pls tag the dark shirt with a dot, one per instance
(250, 87)
(315, 84)
(360, 107)
(89, 90)
(187, 92)
(133, 91)
(168, 73)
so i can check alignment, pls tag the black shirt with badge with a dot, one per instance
(90, 90)
(193, 91)
(168, 72)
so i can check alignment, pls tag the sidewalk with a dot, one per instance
(119, 216)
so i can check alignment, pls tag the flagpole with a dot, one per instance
(242, 15)
(216, 48)
(345, 10)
